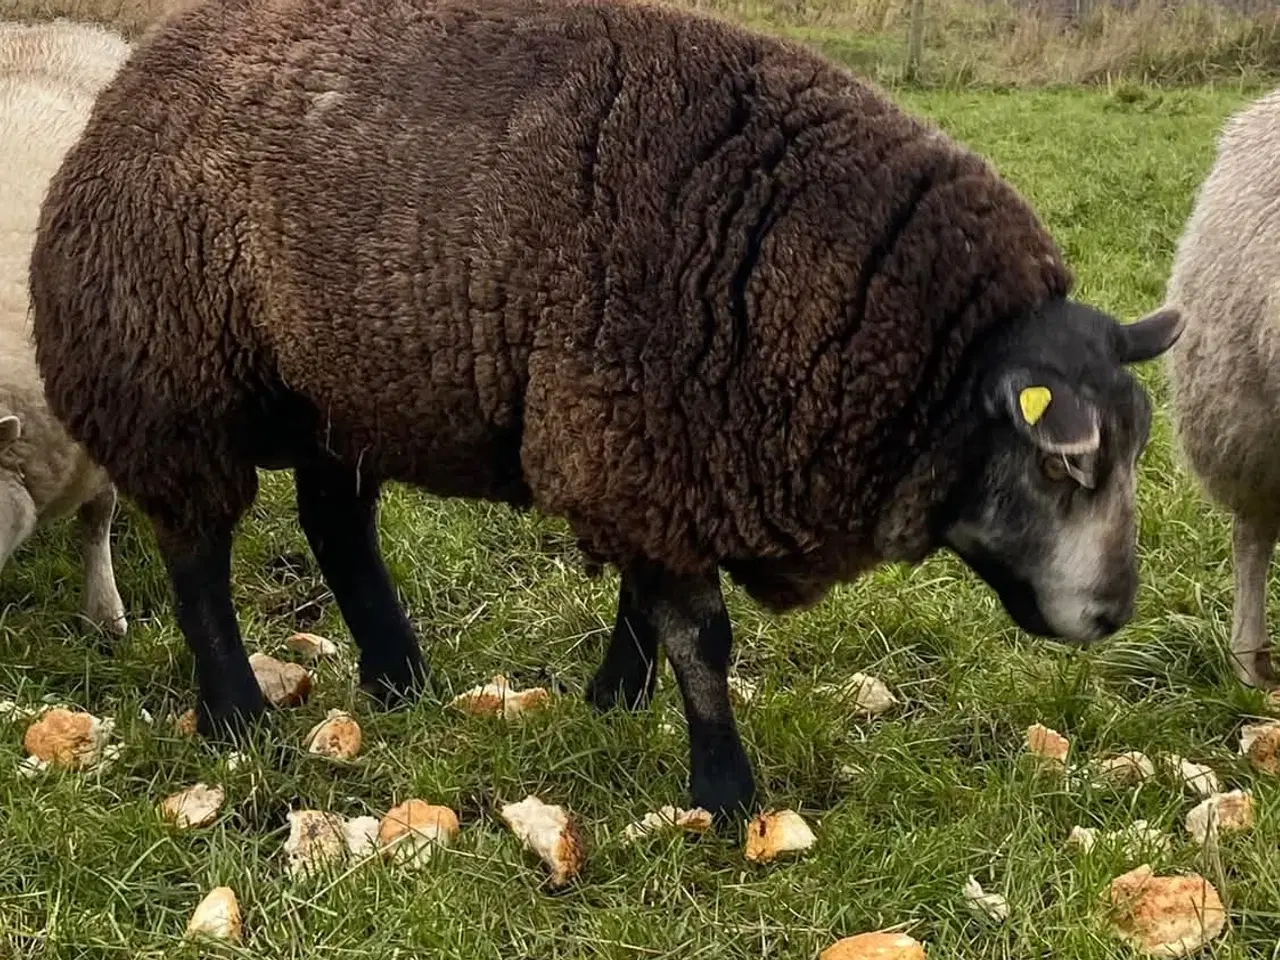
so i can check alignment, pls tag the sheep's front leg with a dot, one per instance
(691, 623)
(338, 511)
(199, 565)
(1252, 545)
(102, 603)
(629, 671)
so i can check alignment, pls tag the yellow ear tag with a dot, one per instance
(1034, 401)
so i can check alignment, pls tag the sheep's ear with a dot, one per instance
(1149, 337)
(1046, 411)
(10, 430)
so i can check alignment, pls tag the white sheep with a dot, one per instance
(50, 74)
(1225, 371)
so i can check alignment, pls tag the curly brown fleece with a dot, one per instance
(696, 290)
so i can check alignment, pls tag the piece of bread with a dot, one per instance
(499, 698)
(68, 738)
(875, 946)
(283, 684)
(337, 736)
(196, 806)
(770, 835)
(1165, 916)
(217, 916)
(412, 831)
(552, 833)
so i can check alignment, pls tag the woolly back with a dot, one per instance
(1236, 211)
(1226, 270)
(74, 55)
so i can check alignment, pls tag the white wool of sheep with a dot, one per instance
(50, 74)
(1224, 371)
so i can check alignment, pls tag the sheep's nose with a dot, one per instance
(1106, 624)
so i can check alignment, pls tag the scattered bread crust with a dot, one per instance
(1195, 776)
(772, 834)
(1125, 769)
(1260, 742)
(316, 838)
(312, 646)
(863, 692)
(1222, 812)
(875, 946)
(283, 684)
(1134, 839)
(217, 916)
(196, 806)
(1165, 916)
(337, 736)
(552, 833)
(499, 698)
(70, 739)
(412, 831)
(993, 906)
(668, 818)
(1048, 746)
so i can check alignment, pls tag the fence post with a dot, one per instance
(915, 39)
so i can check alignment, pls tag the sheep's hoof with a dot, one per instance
(606, 693)
(109, 628)
(230, 722)
(112, 628)
(1255, 669)
(396, 686)
(728, 801)
(723, 784)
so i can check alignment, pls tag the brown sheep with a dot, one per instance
(696, 290)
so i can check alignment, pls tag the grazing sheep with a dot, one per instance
(1225, 373)
(696, 290)
(49, 75)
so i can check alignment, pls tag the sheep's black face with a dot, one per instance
(1046, 514)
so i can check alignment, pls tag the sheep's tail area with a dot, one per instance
(130, 363)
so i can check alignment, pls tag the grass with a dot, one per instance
(936, 791)
(967, 43)
(1001, 43)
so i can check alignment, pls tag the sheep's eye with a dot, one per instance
(1054, 467)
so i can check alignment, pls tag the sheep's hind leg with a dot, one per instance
(629, 671)
(102, 603)
(1252, 546)
(689, 619)
(199, 565)
(338, 511)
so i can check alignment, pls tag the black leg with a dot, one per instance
(338, 511)
(629, 671)
(200, 570)
(690, 621)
